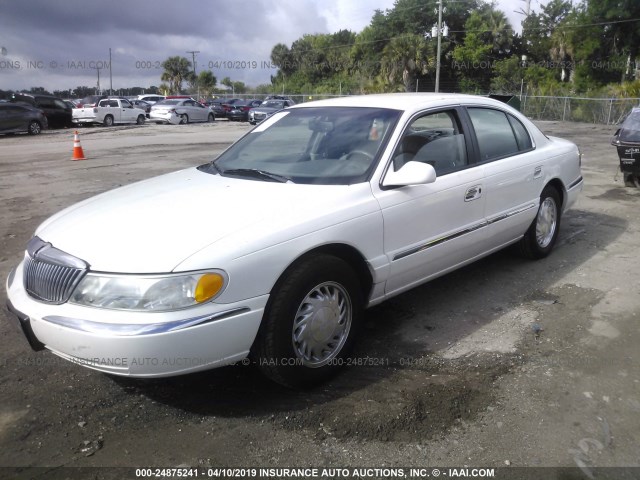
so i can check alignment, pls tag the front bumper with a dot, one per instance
(629, 158)
(138, 344)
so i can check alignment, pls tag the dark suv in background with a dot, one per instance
(58, 112)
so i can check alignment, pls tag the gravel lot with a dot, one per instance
(505, 362)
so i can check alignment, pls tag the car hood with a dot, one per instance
(154, 225)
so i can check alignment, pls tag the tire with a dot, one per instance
(211, 118)
(542, 234)
(108, 121)
(320, 295)
(184, 119)
(252, 123)
(140, 120)
(34, 128)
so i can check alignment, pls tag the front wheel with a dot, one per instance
(140, 120)
(211, 118)
(310, 322)
(543, 232)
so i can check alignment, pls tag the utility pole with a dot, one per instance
(439, 43)
(110, 75)
(193, 55)
(99, 92)
(440, 29)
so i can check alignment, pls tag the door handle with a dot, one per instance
(537, 172)
(473, 193)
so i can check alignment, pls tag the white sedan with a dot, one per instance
(178, 111)
(273, 250)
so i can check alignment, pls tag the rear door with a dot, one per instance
(111, 107)
(12, 117)
(514, 172)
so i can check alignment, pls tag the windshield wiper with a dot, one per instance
(254, 172)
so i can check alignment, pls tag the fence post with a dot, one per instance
(610, 107)
(564, 108)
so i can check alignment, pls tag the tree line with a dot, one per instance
(587, 48)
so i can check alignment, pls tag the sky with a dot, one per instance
(62, 45)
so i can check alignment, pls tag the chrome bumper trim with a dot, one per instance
(133, 329)
(575, 184)
(460, 233)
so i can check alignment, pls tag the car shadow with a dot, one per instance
(419, 324)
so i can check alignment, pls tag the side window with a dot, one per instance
(496, 137)
(125, 103)
(60, 104)
(44, 102)
(522, 136)
(436, 139)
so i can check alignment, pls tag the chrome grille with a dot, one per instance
(51, 275)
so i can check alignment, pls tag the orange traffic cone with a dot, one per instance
(78, 154)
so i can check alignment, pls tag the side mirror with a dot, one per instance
(411, 173)
(614, 139)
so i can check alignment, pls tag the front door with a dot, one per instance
(430, 229)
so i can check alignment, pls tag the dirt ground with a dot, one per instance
(507, 362)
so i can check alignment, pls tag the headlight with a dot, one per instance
(149, 293)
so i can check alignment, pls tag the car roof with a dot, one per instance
(18, 104)
(403, 101)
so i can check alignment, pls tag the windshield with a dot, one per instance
(631, 127)
(319, 145)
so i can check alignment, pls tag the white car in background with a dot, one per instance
(151, 98)
(183, 110)
(273, 250)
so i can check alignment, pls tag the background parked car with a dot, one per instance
(186, 110)
(58, 113)
(216, 106)
(268, 108)
(90, 101)
(141, 104)
(19, 117)
(240, 110)
(229, 102)
(152, 99)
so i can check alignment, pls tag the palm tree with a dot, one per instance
(176, 70)
(500, 30)
(403, 59)
(561, 51)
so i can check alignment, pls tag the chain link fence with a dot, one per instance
(607, 111)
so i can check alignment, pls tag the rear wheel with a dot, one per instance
(108, 121)
(140, 120)
(543, 232)
(184, 119)
(34, 127)
(310, 322)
